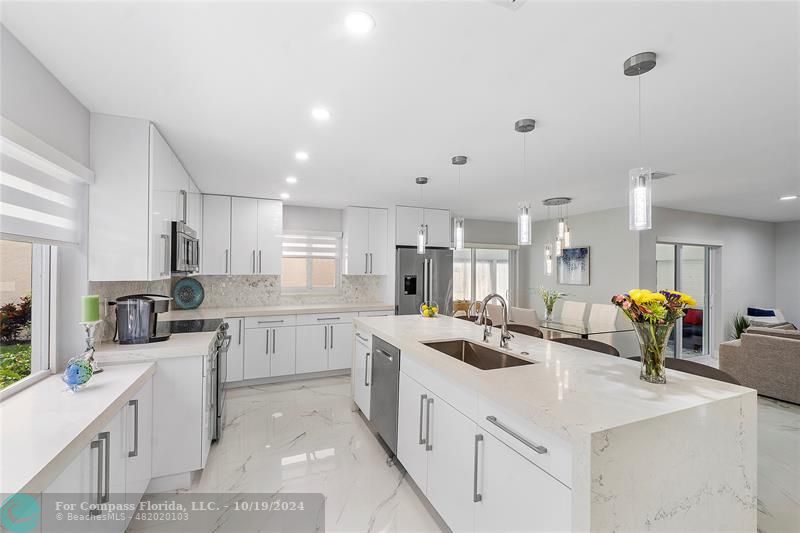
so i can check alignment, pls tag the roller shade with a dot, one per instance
(40, 198)
(311, 244)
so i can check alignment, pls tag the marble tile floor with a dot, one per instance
(305, 437)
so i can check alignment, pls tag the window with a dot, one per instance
(24, 310)
(310, 261)
(478, 272)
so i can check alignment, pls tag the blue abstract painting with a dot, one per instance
(573, 266)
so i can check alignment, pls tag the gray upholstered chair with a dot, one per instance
(698, 369)
(588, 344)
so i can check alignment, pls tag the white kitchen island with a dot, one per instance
(574, 441)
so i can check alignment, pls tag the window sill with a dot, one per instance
(24, 383)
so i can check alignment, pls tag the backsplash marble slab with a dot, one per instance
(241, 291)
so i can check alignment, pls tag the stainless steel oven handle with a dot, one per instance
(476, 496)
(422, 398)
(135, 404)
(428, 445)
(535, 447)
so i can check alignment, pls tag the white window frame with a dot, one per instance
(44, 275)
(308, 289)
(510, 295)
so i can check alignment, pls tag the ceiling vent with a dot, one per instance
(513, 5)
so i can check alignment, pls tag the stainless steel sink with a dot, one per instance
(477, 355)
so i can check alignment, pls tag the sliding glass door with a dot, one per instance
(478, 272)
(686, 267)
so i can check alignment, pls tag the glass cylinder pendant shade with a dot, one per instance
(548, 259)
(640, 208)
(421, 239)
(561, 228)
(458, 233)
(559, 247)
(567, 236)
(524, 232)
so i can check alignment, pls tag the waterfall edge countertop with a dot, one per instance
(272, 310)
(45, 426)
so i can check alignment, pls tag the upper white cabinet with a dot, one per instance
(241, 235)
(140, 188)
(365, 240)
(215, 249)
(435, 221)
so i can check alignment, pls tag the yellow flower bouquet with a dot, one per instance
(653, 315)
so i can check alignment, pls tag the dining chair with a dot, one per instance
(588, 344)
(526, 330)
(572, 312)
(521, 315)
(495, 312)
(697, 369)
(603, 314)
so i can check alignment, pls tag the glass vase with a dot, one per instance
(653, 346)
(548, 313)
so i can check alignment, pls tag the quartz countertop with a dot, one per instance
(46, 425)
(570, 391)
(271, 310)
(178, 345)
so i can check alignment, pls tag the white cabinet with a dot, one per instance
(234, 369)
(269, 347)
(411, 429)
(138, 452)
(164, 204)
(365, 240)
(515, 494)
(435, 221)
(282, 352)
(340, 346)
(216, 235)
(362, 372)
(194, 208)
(256, 353)
(270, 229)
(244, 235)
(324, 342)
(312, 348)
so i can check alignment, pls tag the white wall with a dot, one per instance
(746, 266)
(489, 232)
(36, 101)
(300, 218)
(787, 270)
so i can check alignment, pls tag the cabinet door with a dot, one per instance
(362, 366)
(407, 224)
(235, 357)
(438, 223)
(113, 467)
(411, 411)
(256, 353)
(244, 235)
(216, 241)
(451, 455)
(516, 495)
(340, 346)
(378, 241)
(139, 438)
(163, 205)
(75, 479)
(312, 349)
(195, 208)
(270, 229)
(282, 352)
(356, 240)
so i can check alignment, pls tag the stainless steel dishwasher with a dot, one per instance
(385, 391)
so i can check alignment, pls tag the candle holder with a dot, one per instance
(90, 328)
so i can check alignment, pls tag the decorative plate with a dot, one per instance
(188, 293)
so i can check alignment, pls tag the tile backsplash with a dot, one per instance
(243, 291)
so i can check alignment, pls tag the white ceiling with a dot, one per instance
(231, 87)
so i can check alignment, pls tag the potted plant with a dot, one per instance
(653, 315)
(549, 298)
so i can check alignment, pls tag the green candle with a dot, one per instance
(90, 308)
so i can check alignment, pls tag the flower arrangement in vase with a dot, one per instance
(653, 315)
(549, 298)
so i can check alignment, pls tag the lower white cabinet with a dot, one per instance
(475, 481)
(324, 342)
(256, 353)
(112, 469)
(340, 347)
(269, 352)
(312, 348)
(234, 370)
(282, 352)
(362, 372)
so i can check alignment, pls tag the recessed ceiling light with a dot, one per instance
(359, 22)
(291, 179)
(789, 197)
(320, 113)
(301, 156)
(285, 195)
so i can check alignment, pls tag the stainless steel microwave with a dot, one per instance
(185, 248)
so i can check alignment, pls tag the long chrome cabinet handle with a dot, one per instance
(106, 436)
(331, 337)
(428, 445)
(370, 262)
(240, 331)
(254, 261)
(326, 337)
(259, 261)
(323, 319)
(99, 445)
(270, 322)
(184, 195)
(266, 348)
(165, 237)
(422, 399)
(535, 447)
(366, 261)
(274, 334)
(366, 370)
(360, 336)
(476, 496)
(135, 404)
(227, 253)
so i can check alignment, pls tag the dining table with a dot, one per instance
(584, 329)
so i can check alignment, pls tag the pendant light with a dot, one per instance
(640, 179)
(524, 228)
(563, 233)
(458, 222)
(548, 249)
(422, 232)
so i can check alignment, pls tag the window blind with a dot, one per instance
(311, 245)
(40, 200)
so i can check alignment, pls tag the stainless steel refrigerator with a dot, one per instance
(422, 277)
